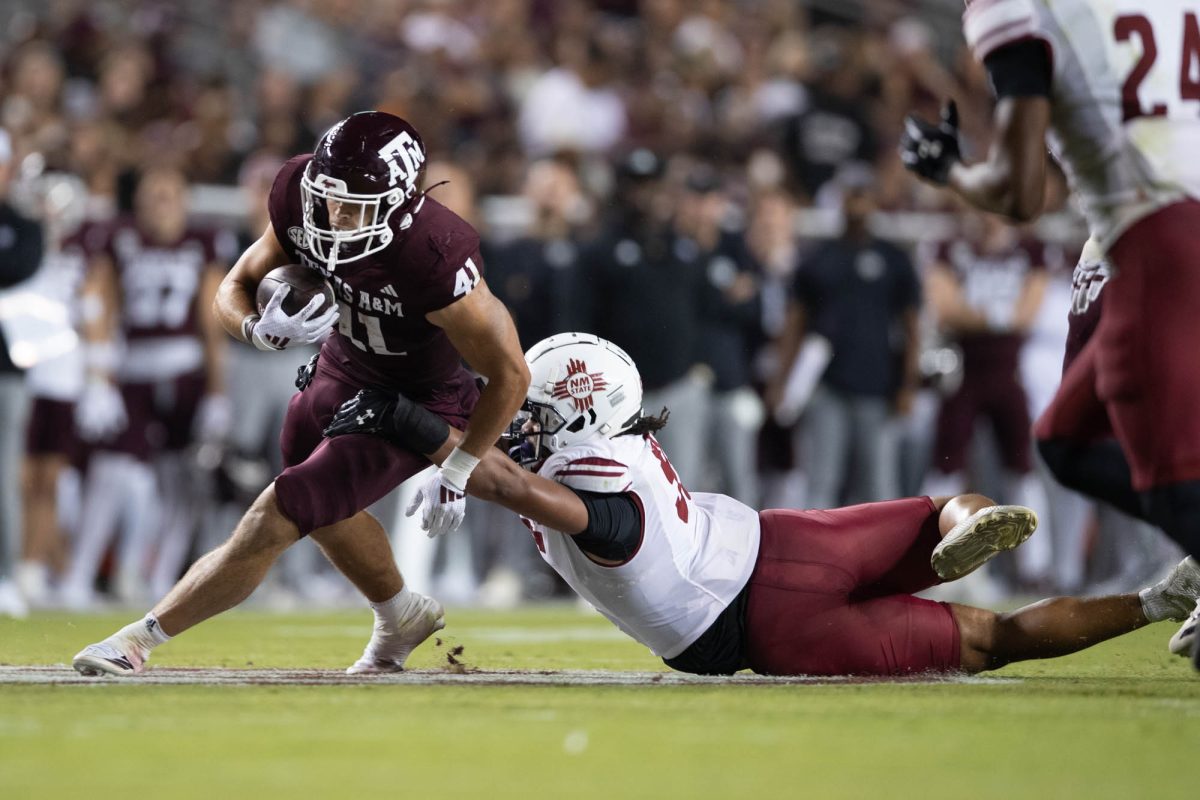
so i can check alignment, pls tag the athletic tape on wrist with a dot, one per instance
(457, 469)
(248, 323)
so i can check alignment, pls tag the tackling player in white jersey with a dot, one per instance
(713, 586)
(1114, 87)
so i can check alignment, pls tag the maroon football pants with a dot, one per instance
(325, 481)
(831, 593)
(1137, 376)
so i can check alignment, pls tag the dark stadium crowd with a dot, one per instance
(712, 185)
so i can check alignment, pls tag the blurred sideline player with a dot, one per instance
(712, 586)
(412, 304)
(1117, 93)
(55, 382)
(985, 288)
(155, 377)
(21, 245)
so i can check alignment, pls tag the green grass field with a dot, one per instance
(1121, 721)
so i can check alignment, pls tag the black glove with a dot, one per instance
(369, 411)
(393, 417)
(931, 150)
(305, 372)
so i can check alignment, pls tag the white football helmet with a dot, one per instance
(580, 386)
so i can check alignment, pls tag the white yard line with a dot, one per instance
(494, 634)
(175, 676)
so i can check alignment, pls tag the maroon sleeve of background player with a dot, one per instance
(1035, 252)
(283, 204)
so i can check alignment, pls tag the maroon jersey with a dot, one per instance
(1087, 284)
(158, 282)
(383, 338)
(992, 282)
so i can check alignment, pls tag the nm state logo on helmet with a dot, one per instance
(579, 385)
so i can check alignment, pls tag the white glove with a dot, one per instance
(275, 330)
(444, 495)
(214, 417)
(100, 412)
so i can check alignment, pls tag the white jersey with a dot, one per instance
(49, 304)
(696, 553)
(1125, 123)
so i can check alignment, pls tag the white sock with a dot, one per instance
(145, 634)
(394, 609)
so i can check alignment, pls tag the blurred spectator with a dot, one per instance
(644, 290)
(861, 295)
(832, 129)
(21, 246)
(572, 107)
(730, 329)
(537, 274)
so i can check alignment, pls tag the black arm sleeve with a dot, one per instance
(614, 529)
(1021, 69)
(418, 428)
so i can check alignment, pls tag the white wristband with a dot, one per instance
(248, 323)
(457, 469)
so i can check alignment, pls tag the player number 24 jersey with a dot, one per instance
(1125, 93)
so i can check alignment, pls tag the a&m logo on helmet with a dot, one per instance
(579, 385)
(404, 158)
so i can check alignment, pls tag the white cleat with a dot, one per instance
(390, 646)
(974, 541)
(103, 658)
(1184, 640)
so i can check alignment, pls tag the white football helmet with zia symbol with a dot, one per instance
(580, 386)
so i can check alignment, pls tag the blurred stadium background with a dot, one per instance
(665, 173)
(744, 134)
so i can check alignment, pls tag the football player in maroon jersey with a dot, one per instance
(155, 373)
(412, 303)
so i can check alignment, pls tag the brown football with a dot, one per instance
(306, 284)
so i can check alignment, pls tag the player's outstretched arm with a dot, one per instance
(1012, 181)
(234, 303)
(496, 479)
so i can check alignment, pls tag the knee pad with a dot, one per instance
(1176, 509)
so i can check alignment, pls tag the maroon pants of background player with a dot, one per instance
(329, 480)
(161, 415)
(995, 395)
(1137, 376)
(831, 593)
